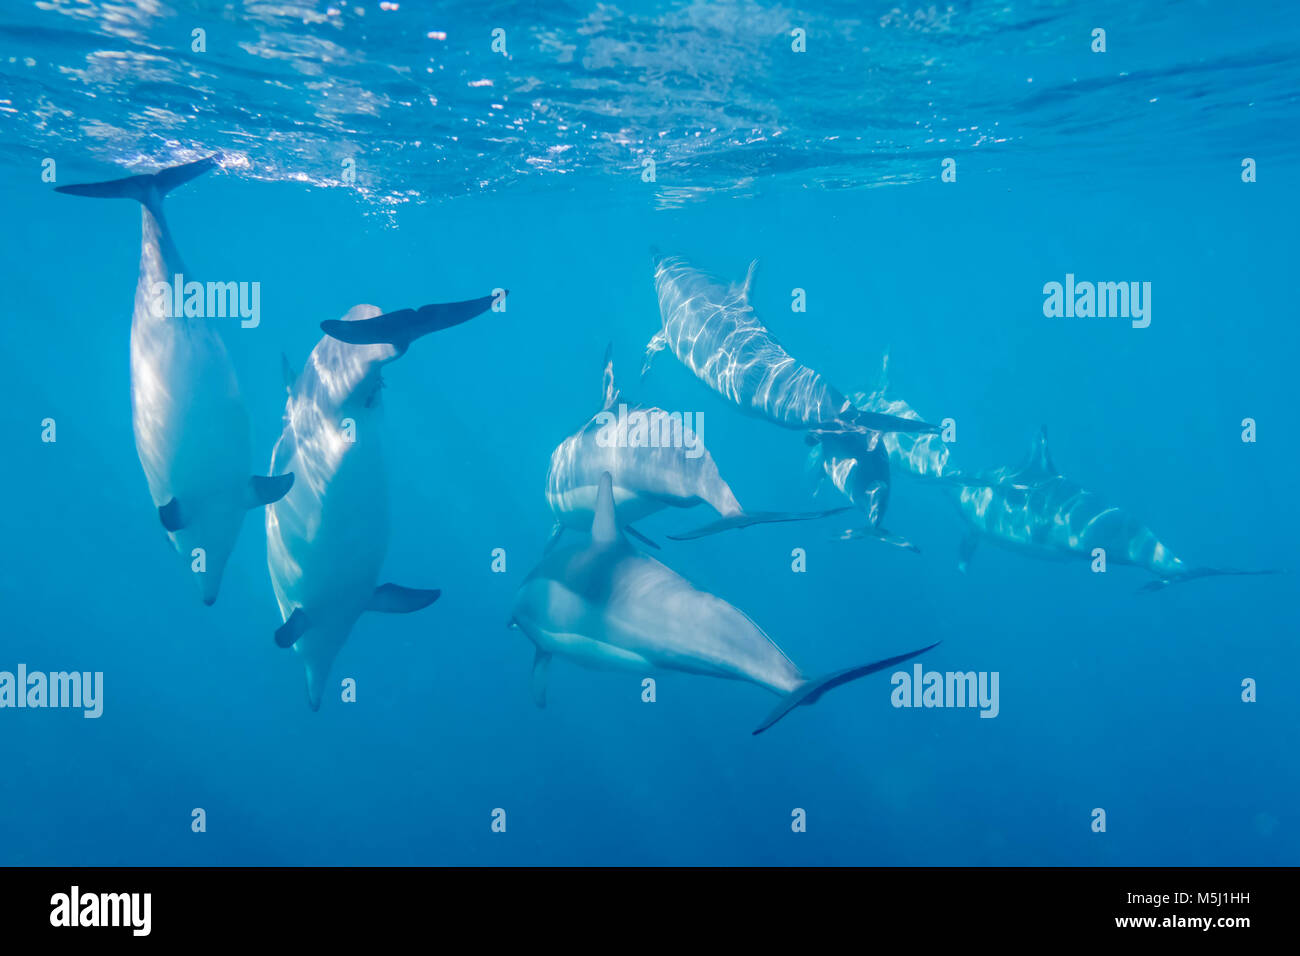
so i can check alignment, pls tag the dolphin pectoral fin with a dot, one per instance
(541, 673)
(287, 634)
(748, 518)
(287, 373)
(967, 549)
(810, 691)
(404, 326)
(653, 347)
(640, 537)
(1164, 582)
(395, 599)
(265, 490)
(171, 516)
(144, 188)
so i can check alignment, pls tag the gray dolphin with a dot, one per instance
(1036, 510)
(668, 467)
(712, 329)
(326, 539)
(191, 428)
(606, 605)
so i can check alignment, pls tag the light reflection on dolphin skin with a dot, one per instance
(606, 605)
(191, 427)
(647, 478)
(919, 455)
(326, 540)
(1038, 511)
(712, 329)
(858, 466)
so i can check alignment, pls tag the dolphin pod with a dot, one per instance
(606, 605)
(326, 539)
(649, 474)
(596, 599)
(191, 428)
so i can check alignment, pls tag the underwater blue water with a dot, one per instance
(825, 166)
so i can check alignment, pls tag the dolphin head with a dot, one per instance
(206, 542)
(566, 592)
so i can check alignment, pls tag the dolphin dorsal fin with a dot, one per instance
(1039, 461)
(604, 526)
(609, 389)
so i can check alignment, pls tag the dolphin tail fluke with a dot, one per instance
(399, 329)
(810, 691)
(745, 519)
(1164, 582)
(147, 188)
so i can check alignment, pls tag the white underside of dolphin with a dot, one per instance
(605, 605)
(191, 428)
(326, 540)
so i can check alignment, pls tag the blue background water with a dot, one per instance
(1122, 166)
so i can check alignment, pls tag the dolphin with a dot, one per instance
(1035, 509)
(326, 539)
(191, 428)
(921, 456)
(606, 605)
(674, 470)
(858, 466)
(712, 329)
